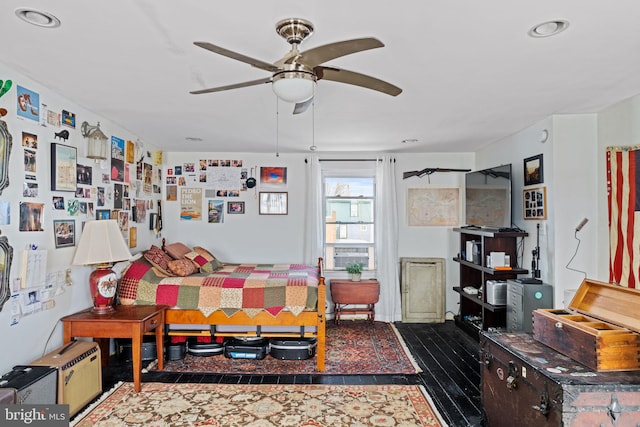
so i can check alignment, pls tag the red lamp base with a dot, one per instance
(102, 285)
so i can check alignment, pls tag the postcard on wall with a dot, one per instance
(273, 175)
(5, 212)
(31, 216)
(28, 103)
(29, 140)
(190, 204)
(130, 151)
(69, 118)
(117, 159)
(215, 211)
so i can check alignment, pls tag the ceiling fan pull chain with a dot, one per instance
(313, 121)
(277, 128)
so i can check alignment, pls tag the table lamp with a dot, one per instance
(101, 244)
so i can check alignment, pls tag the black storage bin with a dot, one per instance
(175, 351)
(292, 349)
(149, 351)
(206, 349)
(246, 348)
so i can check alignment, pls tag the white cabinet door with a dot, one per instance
(423, 290)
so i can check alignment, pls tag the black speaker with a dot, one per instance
(34, 384)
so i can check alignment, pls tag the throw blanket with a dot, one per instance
(251, 288)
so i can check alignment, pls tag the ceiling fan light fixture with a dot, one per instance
(294, 86)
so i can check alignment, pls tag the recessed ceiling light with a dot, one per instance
(38, 17)
(549, 28)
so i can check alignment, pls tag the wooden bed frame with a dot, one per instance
(315, 319)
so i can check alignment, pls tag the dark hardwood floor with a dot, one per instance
(447, 356)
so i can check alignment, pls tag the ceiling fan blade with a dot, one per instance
(321, 54)
(301, 107)
(238, 56)
(353, 78)
(234, 86)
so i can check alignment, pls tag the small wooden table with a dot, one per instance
(127, 321)
(364, 292)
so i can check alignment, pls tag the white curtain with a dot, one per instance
(388, 308)
(314, 222)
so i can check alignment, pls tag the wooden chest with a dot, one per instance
(598, 329)
(528, 384)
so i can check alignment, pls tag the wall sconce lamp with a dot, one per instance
(98, 147)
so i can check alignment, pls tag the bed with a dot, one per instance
(207, 297)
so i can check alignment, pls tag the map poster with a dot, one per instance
(430, 207)
(190, 204)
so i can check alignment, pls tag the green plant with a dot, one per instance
(354, 268)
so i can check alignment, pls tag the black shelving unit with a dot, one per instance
(476, 313)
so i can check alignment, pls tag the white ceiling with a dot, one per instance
(470, 74)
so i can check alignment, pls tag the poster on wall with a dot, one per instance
(215, 211)
(28, 103)
(117, 159)
(432, 207)
(31, 216)
(190, 204)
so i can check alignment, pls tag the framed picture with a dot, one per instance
(533, 172)
(63, 167)
(153, 221)
(274, 203)
(535, 203)
(235, 207)
(273, 175)
(103, 214)
(64, 232)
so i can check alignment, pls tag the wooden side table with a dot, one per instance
(127, 321)
(364, 293)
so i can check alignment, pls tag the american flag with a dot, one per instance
(623, 188)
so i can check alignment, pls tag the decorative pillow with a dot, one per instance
(158, 259)
(177, 250)
(197, 259)
(182, 267)
(205, 253)
(205, 265)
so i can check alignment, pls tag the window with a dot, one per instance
(349, 206)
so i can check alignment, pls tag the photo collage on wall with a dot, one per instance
(214, 183)
(81, 189)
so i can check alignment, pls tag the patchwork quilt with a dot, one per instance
(251, 288)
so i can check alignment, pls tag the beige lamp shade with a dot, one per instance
(101, 242)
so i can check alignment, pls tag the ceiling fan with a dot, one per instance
(296, 73)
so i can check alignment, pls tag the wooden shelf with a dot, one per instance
(475, 299)
(477, 274)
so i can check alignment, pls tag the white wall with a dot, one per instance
(27, 337)
(249, 237)
(433, 242)
(569, 159)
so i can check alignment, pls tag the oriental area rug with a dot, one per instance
(356, 347)
(262, 405)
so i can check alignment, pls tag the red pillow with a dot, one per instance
(158, 259)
